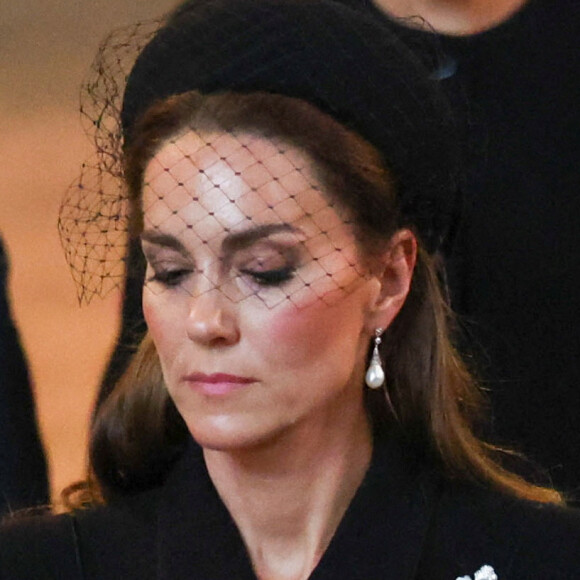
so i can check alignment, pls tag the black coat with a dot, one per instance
(23, 474)
(514, 271)
(405, 522)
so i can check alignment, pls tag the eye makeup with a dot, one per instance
(262, 257)
(268, 262)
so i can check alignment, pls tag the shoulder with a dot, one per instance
(519, 539)
(38, 547)
(82, 545)
(119, 539)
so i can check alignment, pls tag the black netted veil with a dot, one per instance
(344, 61)
(93, 220)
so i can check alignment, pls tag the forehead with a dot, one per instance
(213, 182)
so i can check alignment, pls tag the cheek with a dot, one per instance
(162, 324)
(291, 323)
(317, 332)
(154, 321)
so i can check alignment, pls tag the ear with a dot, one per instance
(394, 272)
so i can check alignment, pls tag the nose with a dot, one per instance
(212, 320)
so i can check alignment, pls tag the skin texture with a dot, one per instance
(269, 377)
(455, 17)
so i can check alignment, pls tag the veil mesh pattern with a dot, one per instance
(251, 214)
(93, 217)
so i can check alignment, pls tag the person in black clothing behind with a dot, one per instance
(513, 74)
(23, 475)
(297, 409)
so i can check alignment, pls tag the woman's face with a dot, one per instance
(256, 297)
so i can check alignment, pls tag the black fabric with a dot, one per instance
(405, 522)
(537, 541)
(23, 474)
(514, 269)
(43, 547)
(517, 271)
(373, 83)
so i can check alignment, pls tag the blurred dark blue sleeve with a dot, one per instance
(23, 473)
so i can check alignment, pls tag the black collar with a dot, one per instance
(381, 535)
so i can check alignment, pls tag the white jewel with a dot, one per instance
(375, 376)
(484, 573)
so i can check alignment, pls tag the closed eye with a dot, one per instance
(169, 278)
(275, 277)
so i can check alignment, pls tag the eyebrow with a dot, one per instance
(165, 240)
(233, 242)
(240, 240)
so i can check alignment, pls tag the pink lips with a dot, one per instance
(217, 383)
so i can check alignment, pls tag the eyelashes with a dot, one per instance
(250, 270)
(259, 277)
(268, 264)
(277, 277)
(168, 278)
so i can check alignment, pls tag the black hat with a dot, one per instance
(348, 62)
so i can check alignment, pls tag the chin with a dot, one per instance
(231, 434)
(228, 433)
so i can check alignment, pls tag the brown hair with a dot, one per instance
(433, 399)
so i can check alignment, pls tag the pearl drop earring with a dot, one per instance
(375, 377)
